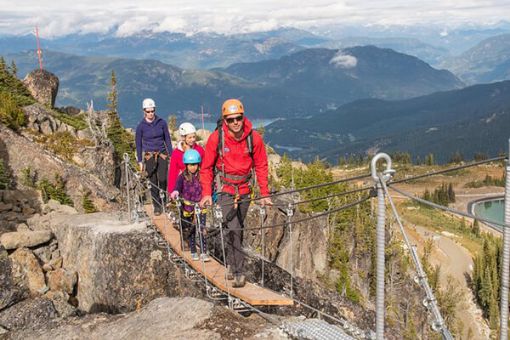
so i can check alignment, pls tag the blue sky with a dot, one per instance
(59, 17)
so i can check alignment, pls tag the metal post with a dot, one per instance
(180, 223)
(290, 212)
(126, 174)
(201, 240)
(218, 215)
(262, 241)
(503, 334)
(381, 211)
(162, 200)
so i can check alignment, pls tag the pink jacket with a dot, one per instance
(177, 165)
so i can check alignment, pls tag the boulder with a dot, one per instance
(20, 239)
(62, 280)
(28, 314)
(162, 318)
(10, 293)
(119, 264)
(27, 272)
(43, 254)
(55, 206)
(59, 299)
(43, 86)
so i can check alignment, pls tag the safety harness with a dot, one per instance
(221, 177)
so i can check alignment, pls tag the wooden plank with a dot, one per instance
(215, 271)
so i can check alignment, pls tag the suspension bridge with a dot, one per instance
(256, 295)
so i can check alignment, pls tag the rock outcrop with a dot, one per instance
(308, 257)
(15, 208)
(43, 86)
(28, 238)
(43, 121)
(10, 292)
(27, 272)
(22, 153)
(28, 314)
(162, 318)
(119, 265)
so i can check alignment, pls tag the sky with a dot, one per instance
(127, 17)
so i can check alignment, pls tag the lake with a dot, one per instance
(493, 209)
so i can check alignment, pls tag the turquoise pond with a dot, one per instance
(493, 210)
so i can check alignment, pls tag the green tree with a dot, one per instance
(113, 95)
(122, 141)
(456, 157)
(429, 159)
(4, 178)
(87, 204)
(172, 124)
(14, 69)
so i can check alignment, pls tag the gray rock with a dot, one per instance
(5, 206)
(97, 177)
(163, 318)
(43, 254)
(39, 222)
(26, 271)
(60, 303)
(62, 280)
(22, 227)
(28, 314)
(3, 330)
(56, 262)
(10, 293)
(21, 239)
(55, 254)
(118, 264)
(55, 206)
(43, 86)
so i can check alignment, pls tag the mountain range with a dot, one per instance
(208, 50)
(470, 120)
(302, 84)
(487, 62)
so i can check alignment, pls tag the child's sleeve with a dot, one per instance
(179, 184)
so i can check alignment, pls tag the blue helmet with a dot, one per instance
(192, 157)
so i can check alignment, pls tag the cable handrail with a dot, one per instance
(422, 276)
(447, 209)
(459, 167)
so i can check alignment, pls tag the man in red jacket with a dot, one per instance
(230, 158)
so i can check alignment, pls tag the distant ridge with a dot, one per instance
(470, 120)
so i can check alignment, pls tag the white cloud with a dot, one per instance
(344, 60)
(59, 17)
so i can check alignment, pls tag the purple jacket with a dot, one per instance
(189, 190)
(152, 137)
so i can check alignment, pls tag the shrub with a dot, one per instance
(87, 203)
(11, 113)
(55, 191)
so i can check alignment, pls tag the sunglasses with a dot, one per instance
(234, 119)
(150, 111)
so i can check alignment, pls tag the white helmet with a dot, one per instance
(186, 129)
(148, 103)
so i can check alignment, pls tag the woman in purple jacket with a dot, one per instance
(153, 147)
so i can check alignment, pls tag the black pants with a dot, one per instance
(234, 238)
(157, 172)
(189, 232)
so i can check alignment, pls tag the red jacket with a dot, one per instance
(237, 161)
(177, 164)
